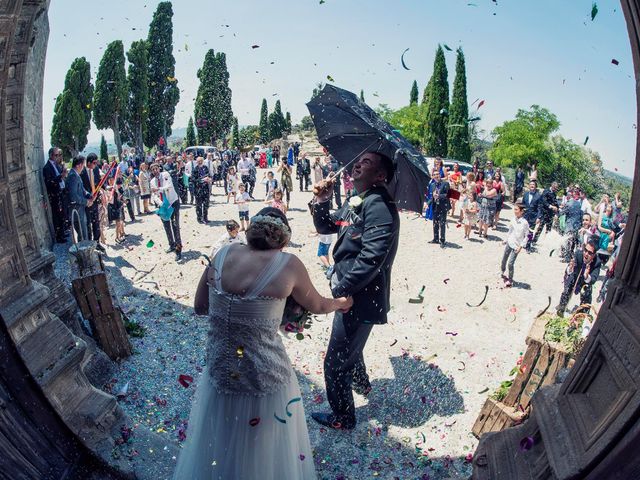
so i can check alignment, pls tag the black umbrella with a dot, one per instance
(347, 127)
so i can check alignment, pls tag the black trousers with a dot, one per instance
(344, 364)
(439, 224)
(172, 227)
(304, 178)
(569, 285)
(57, 217)
(202, 206)
(93, 222)
(545, 222)
(336, 194)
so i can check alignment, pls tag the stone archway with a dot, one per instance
(583, 428)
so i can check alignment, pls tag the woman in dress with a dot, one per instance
(286, 184)
(499, 185)
(247, 420)
(487, 206)
(317, 171)
(455, 180)
(605, 226)
(144, 179)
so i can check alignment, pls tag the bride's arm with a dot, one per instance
(201, 302)
(308, 297)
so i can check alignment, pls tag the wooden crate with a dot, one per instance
(495, 416)
(541, 364)
(95, 302)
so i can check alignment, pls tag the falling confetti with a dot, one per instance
(446, 280)
(484, 390)
(255, 46)
(586, 140)
(442, 309)
(281, 420)
(615, 62)
(447, 47)
(453, 334)
(464, 366)
(321, 2)
(293, 400)
(526, 444)
(404, 65)
(150, 244)
(480, 104)
(542, 312)
(185, 380)
(486, 291)
(594, 11)
(420, 297)
(330, 78)
(254, 421)
(394, 342)
(551, 252)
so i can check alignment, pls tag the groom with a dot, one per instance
(367, 227)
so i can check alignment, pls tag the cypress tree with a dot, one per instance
(362, 96)
(437, 108)
(205, 109)
(190, 138)
(110, 97)
(425, 93)
(277, 123)
(235, 134)
(413, 96)
(163, 86)
(287, 119)
(222, 98)
(72, 111)
(135, 121)
(458, 141)
(104, 151)
(263, 126)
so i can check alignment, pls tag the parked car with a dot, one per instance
(200, 150)
(448, 163)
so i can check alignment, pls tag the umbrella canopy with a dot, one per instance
(347, 127)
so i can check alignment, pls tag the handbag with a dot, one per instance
(165, 210)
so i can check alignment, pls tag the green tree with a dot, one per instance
(205, 109)
(235, 134)
(72, 111)
(264, 122)
(135, 119)
(525, 141)
(409, 121)
(190, 138)
(435, 142)
(413, 96)
(287, 119)
(223, 111)
(425, 93)
(306, 123)
(104, 151)
(164, 93)
(110, 98)
(277, 123)
(362, 96)
(248, 136)
(458, 134)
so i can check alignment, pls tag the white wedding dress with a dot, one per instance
(247, 420)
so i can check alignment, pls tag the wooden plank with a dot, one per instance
(495, 416)
(558, 362)
(513, 396)
(537, 375)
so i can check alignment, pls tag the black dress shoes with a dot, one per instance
(330, 420)
(171, 249)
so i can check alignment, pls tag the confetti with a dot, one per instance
(150, 244)
(185, 380)
(464, 366)
(453, 334)
(394, 342)
(447, 47)
(293, 400)
(446, 280)
(281, 420)
(526, 444)
(486, 291)
(484, 391)
(255, 46)
(330, 78)
(404, 65)
(542, 312)
(240, 352)
(480, 104)
(321, 2)
(615, 62)
(551, 252)
(442, 309)
(586, 140)
(302, 457)
(594, 11)
(254, 421)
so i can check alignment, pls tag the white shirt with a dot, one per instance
(518, 231)
(243, 167)
(164, 185)
(226, 239)
(55, 167)
(188, 168)
(242, 199)
(326, 239)
(586, 207)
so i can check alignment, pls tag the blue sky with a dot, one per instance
(518, 53)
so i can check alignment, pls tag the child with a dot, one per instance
(324, 243)
(277, 201)
(242, 200)
(116, 207)
(232, 183)
(470, 208)
(271, 185)
(231, 236)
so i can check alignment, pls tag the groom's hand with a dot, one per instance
(324, 188)
(344, 304)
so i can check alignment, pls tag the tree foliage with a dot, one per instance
(213, 103)
(277, 122)
(287, 119)
(458, 131)
(110, 98)
(72, 111)
(409, 121)
(163, 86)
(190, 137)
(425, 93)
(104, 150)
(248, 136)
(413, 95)
(435, 142)
(235, 134)
(263, 126)
(135, 117)
(306, 123)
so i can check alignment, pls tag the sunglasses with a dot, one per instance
(590, 252)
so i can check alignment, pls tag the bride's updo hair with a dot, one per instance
(268, 230)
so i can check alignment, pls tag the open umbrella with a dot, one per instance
(347, 127)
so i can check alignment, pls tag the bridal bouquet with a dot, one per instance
(295, 318)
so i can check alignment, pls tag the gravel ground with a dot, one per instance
(428, 366)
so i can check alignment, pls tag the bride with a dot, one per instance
(247, 420)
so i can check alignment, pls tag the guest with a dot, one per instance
(79, 198)
(580, 276)
(231, 183)
(470, 209)
(201, 179)
(516, 239)
(54, 184)
(303, 171)
(547, 209)
(163, 185)
(487, 207)
(242, 199)
(455, 181)
(286, 184)
(277, 201)
(90, 180)
(116, 206)
(439, 198)
(230, 236)
(317, 170)
(144, 179)
(500, 186)
(519, 184)
(271, 185)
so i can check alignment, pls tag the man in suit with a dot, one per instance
(548, 209)
(439, 196)
(90, 180)
(54, 183)
(162, 184)
(79, 198)
(581, 274)
(531, 202)
(368, 227)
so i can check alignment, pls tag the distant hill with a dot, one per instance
(626, 181)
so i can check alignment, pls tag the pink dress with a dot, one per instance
(279, 204)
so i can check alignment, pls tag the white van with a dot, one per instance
(200, 150)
